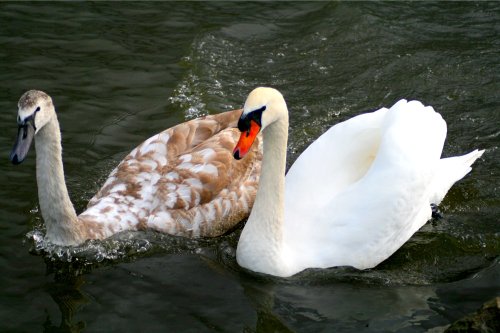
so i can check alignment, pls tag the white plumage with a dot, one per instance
(354, 196)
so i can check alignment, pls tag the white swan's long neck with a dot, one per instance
(261, 241)
(57, 210)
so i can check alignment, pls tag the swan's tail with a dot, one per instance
(451, 170)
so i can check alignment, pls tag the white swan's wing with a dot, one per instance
(369, 219)
(338, 158)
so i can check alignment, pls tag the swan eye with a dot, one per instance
(255, 115)
(259, 110)
(37, 109)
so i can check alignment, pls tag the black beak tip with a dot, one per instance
(14, 159)
(236, 154)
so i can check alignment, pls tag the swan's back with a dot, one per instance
(182, 181)
(322, 167)
(371, 181)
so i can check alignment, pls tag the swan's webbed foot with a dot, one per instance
(436, 213)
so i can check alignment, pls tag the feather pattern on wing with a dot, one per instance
(182, 181)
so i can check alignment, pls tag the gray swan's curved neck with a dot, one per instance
(56, 207)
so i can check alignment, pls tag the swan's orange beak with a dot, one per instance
(246, 140)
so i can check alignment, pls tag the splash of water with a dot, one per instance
(125, 245)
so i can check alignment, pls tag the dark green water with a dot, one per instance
(120, 72)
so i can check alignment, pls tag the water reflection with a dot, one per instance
(408, 291)
(355, 307)
(68, 295)
(341, 298)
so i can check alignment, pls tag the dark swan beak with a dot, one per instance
(25, 134)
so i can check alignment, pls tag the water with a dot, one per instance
(119, 72)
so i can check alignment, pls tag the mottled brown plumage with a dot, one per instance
(186, 179)
(182, 181)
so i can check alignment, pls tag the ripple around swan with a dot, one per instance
(125, 245)
(425, 260)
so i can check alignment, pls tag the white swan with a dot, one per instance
(182, 181)
(353, 197)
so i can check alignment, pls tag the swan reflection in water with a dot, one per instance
(397, 294)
